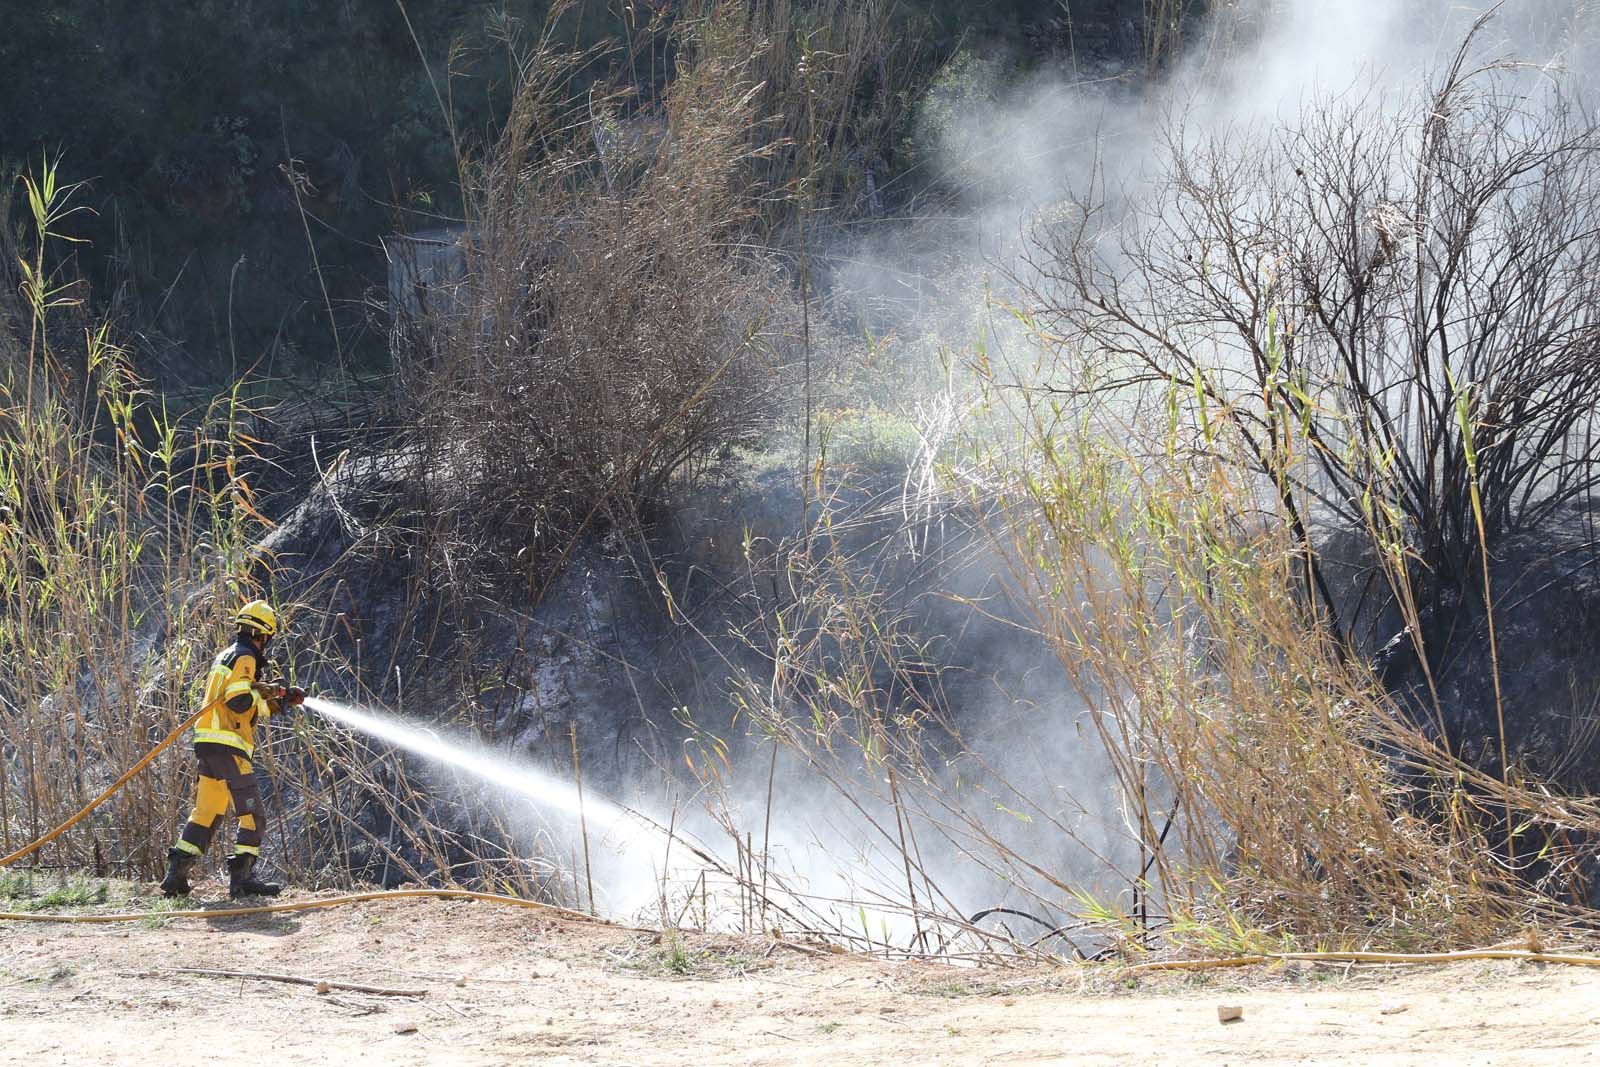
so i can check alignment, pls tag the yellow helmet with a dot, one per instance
(259, 616)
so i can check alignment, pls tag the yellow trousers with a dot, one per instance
(226, 778)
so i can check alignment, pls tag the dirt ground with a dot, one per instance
(508, 986)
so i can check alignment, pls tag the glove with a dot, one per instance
(278, 697)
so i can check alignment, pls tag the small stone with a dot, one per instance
(405, 1028)
(1392, 1007)
(1229, 1013)
(324, 987)
(461, 981)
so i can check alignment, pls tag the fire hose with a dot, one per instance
(302, 905)
(127, 776)
(84, 812)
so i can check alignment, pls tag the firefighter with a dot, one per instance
(236, 699)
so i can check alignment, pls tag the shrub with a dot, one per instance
(617, 323)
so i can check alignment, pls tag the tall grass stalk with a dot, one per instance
(123, 532)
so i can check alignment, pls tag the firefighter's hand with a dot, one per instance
(273, 696)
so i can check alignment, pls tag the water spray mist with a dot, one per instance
(617, 824)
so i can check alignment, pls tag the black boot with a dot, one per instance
(179, 864)
(242, 881)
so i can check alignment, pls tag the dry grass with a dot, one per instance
(1258, 767)
(124, 534)
(1262, 789)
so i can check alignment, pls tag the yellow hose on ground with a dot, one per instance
(25, 850)
(299, 905)
(1412, 958)
(1370, 957)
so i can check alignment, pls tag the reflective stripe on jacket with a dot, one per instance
(235, 706)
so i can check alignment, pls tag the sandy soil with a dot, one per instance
(540, 990)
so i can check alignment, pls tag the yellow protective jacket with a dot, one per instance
(233, 706)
